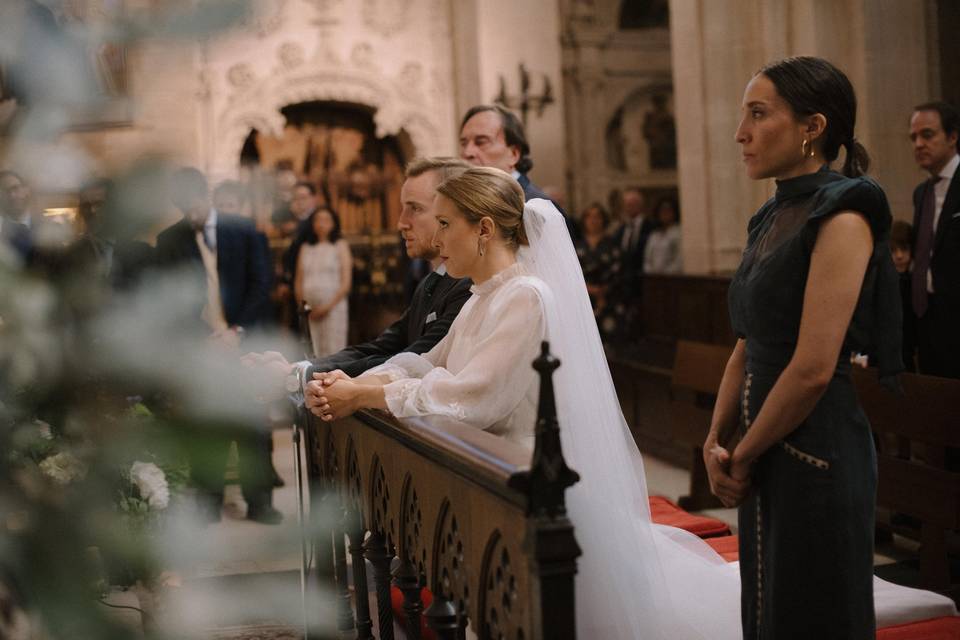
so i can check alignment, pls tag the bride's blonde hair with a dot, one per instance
(481, 192)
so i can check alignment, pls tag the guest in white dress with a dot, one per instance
(323, 277)
(664, 253)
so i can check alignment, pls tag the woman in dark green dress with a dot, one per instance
(816, 284)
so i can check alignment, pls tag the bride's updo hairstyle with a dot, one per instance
(813, 85)
(486, 192)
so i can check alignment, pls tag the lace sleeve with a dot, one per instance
(412, 365)
(496, 375)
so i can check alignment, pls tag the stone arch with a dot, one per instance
(259, 107)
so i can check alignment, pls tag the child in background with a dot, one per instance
(901, 243)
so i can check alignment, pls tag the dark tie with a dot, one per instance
(923, 248)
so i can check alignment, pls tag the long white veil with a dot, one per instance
(635, 579)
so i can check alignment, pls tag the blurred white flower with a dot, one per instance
(152, 483)
(63, 468)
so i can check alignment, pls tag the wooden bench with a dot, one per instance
(697, 370)
(465, 513)
(915, 433)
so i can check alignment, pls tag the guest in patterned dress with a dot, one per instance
(323, 277)
(816, 283)
(599, 258)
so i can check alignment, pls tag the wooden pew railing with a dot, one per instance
(697, 371)
(918, 438)
(464, 513)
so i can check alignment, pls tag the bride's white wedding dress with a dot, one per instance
(635, 580)
(479, 374)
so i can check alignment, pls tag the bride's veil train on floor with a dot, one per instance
(635, 579)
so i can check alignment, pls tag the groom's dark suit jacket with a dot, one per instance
(436, 302)
(243, 265)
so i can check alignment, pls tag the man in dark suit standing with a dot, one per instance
(435, 304)
(631, 237)
(228, 258)
(492, 136)
(934, 130)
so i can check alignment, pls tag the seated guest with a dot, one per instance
(663, 253)
(436, 300)
(323, 277)
(901, 247)
(599, 258)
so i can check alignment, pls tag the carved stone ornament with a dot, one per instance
(266, 18)
(291, 55)
(240, 76)
(410, 80)
(386, 17)
(362, 55)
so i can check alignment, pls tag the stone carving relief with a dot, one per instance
(362, 55)
(316, 57)
(386, 17)
(240, 76)
(291, 55)
(410, 80)
(326, 11)
(266, 19)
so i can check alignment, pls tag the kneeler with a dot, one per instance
(939, 628)
(663, 511)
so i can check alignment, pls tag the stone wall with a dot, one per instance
(719, 44)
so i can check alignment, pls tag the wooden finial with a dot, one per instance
(549, 476)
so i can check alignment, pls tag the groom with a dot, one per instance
(435, 303)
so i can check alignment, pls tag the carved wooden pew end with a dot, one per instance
(467, 514)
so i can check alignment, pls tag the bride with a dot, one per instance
(635, 579)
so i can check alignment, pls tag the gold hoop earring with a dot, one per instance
(803, 148)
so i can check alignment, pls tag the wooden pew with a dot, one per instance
(697, 370)
(467, 514)
(914, 434)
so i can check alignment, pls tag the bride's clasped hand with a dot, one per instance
(334, 394)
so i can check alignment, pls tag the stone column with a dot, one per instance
(719, 44)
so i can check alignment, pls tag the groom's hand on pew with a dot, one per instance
(728, 481)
